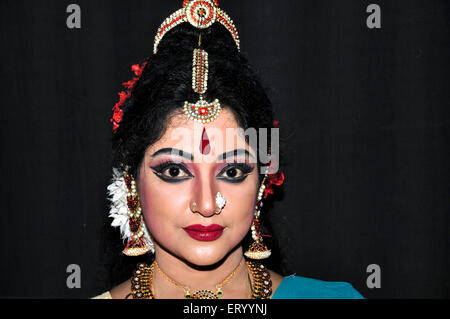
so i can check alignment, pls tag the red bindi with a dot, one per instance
(205, 148)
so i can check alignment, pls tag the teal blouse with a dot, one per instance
(296, 287)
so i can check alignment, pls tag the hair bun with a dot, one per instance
(184, 39)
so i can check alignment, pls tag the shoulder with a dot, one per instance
(105, 295)
(121, 291)
(297, 287)
(276, 280)
(118, 292)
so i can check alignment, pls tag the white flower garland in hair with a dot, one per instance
(117, 192)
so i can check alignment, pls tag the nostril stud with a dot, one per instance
(194, 207)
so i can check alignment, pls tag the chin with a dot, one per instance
(205, 256)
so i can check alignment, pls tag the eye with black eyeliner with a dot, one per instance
(171, 172)
(235, 172)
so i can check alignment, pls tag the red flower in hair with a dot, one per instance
(124, 95)
(117, 116)
(137, 69)
(275, 123)
(129, 84)
(276, 179)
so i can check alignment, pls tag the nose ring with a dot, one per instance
(220, 203)
(194, 207)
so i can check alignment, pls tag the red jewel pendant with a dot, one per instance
(203, 111)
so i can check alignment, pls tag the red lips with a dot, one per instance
(204, 233)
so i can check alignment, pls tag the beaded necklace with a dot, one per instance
(141, 283)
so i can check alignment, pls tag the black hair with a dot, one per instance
(160, 92)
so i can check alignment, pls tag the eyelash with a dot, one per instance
(244, 168)
(160, 168)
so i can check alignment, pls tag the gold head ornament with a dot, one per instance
(201, 14)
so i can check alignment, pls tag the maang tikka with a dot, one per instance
(258, 249)
(200, 14)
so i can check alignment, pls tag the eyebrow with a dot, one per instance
(173, 151)
(189, 156)
(236, 152)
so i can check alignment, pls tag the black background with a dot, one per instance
(364, 115)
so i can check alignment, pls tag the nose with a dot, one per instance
(204, 199)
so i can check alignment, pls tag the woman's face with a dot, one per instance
(187, 166)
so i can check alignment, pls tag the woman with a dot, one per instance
(189, 182)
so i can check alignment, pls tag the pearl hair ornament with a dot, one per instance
(201, 14)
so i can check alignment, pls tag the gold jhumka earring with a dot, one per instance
(137, 244)
(258, 250)
(126, 212)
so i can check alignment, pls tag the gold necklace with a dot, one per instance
(204, 293)
(141, 283)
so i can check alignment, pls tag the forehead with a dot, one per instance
(225, 120)
(223, 135)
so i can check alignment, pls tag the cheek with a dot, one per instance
(161, 209)
(240, 206)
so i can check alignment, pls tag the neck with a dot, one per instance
(200, 277)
